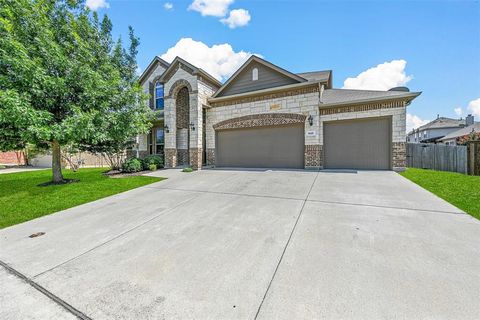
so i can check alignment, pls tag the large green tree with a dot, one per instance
(64, 81)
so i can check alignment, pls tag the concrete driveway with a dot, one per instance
(232, 244)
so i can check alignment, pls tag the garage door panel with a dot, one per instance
(265, 147)
(358, 144)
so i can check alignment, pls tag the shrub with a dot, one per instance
(187, 170)
(152, 167)
(2, 166)
(132, 165)
(152, 159)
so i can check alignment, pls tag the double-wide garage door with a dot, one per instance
(261, 147)
(358, 144)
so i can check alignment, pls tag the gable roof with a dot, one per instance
(331, 97)
(151, 66)
(195, 71)
(322, 76)
(443, 122)
(267, 64)
(462, 132)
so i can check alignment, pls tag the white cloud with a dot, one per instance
(414, 122)
(458, 111)
(168, 6)
(474, 107)
(97, 4)
(382, 77)
(237, 18)
(216, 8)
(220, 60)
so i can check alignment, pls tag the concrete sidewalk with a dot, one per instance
(254, 244)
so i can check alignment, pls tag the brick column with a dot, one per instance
(399, 156)
(211, 156)
(170, 158)
(313, 156)
(196, 158)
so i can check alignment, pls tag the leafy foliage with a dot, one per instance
(64, 81)
(132, 165)
(152, 159)
(473, 136)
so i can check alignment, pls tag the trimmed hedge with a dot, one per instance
(132, 165)
(152, 159)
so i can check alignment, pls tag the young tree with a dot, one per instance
(69, 84)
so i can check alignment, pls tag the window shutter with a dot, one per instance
(151, 91)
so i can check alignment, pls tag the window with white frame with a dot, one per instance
(254, 74)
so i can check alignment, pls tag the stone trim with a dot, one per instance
(267, 96)
(313, 156)
(362, 107)
(170, 157)
(260, 120)
(176, 86)
(196, 158)
(399, 155)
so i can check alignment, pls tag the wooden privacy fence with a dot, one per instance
(437, 157)
(474, 158)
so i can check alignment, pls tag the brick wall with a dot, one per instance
(12, 157)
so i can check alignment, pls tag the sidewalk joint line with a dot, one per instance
(65, 305)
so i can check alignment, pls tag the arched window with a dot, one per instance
(254, 74)
(159, 103)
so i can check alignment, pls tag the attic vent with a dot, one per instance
(254, 74)
(401, 89)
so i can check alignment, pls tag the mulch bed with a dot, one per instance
(120, 174)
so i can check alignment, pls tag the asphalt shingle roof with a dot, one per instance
(315, 75)
(443, 122)
(463, 132)
(336, 96)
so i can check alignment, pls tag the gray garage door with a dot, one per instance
(264, 147)
(358, 144)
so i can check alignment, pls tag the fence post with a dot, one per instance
(474, 158)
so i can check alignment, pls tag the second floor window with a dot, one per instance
(159, 103)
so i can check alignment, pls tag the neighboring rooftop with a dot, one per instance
(342, 96)
(443, 122)
(462, 132)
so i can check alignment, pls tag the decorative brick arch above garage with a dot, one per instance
(260, 120)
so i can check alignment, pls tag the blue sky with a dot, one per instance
(439, 41)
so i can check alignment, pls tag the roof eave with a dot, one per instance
(263, 91)
(150, 66)
(409, 97)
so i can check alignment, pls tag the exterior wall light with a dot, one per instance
(310, 120)
(192, 126)
(165, 127)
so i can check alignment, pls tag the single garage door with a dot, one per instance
(261, 147)
(358, 144)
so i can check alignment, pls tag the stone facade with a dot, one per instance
(187, 93)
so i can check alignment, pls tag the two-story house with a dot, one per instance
(437, 129)
(266, 116)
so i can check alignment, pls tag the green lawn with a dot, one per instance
(21, 199)
(460, 190)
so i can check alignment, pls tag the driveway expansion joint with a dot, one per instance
(62, 303)
(286, 246)
(114, 238)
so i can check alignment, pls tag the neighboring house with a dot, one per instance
(266, 116)
(451, 138)
(437, 129)
(12, 158)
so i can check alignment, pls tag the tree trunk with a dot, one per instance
(56, 162)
